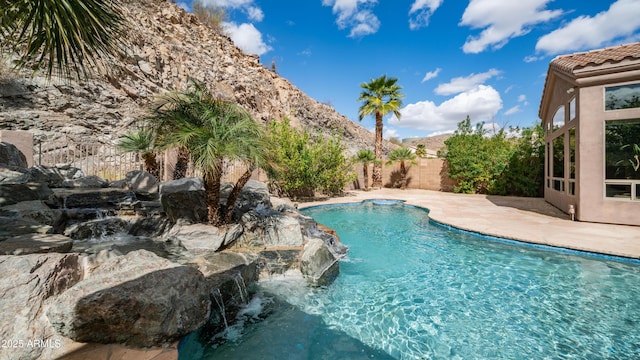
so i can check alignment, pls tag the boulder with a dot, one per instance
(254, 194)
(97, 228)
(51, 176)
(14, 193)
(11, 156)
(36, 210)
(198, 238)
(27, 282)
(271, 228)
(141, 182)
(318, 264)
(13, 175)
(184, 199)
(11, 227)
(137, 299)
(92, 198)
(35, 244)
(92, 181)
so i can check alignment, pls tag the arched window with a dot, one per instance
(558, 118)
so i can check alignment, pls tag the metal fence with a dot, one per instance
(111, 163)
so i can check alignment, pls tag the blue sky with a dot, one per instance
(483, 58)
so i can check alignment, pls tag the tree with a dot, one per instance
(475, 160)
(402, 155)
(421, 150)
(301, 163)
(379, 97)
(68, 37)
(365, 157)
(142, 141)
(212, 130)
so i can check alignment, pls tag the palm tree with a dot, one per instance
(365, 157)
(421, 150)
(142, 141)
(70, 36)
(212, 130)
(402, 155)
(380, 96)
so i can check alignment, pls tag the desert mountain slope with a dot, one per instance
(167, 46)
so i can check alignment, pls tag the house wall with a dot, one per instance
(562, 90)
(593, 205)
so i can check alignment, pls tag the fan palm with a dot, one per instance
(69, 36)
(142, 141)
(212, 130)
(402, 155)
(379, 97)
(365, 157)
(421, 150)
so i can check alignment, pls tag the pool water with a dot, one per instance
(410, 289)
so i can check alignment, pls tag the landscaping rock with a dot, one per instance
(97, 228)
(14, 193)
(93, 181)
(141, 182)
(51, 176)
(254, 194)
(137, 299)
(11, 156)
(36, 210)
(35, 244)
(270, 229)
(184, 199)
(318, 264)
(92, 198)
(13, 175)
(198, 238)
(27, 282)
(11, 227)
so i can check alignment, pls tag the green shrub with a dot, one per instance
(475, 161)
(524, 175)
(301, 164)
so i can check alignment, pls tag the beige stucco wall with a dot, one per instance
(23, 140)
(590, 201)
(593, 205)
(426, 174)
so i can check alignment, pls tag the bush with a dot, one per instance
(475, 161)
(524, 175)
(210, 15)
(301, 164)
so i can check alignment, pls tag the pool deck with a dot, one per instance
(531, 220)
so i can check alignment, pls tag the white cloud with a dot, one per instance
(523, 99)
(356, 15)
(421, 11)
(253, 12)
(389, 133)
(502, 21)
(514, 110)
(461, 84)
(431, 74)
(620, 21)
(481, 103)
(247, 38)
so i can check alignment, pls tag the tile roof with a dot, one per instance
(570, 63)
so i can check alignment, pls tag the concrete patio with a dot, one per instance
(525, 219)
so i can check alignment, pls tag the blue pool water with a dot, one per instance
(410, 289)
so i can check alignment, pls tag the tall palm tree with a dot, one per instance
(421, 150)
(402, 155)
(212, 130)
(365, 157)
(68, 36)
(379, 97)
(142, 141)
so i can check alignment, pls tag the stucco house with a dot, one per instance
(590, 110)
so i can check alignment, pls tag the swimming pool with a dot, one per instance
(411, 289)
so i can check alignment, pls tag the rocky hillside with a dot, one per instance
(167, 46)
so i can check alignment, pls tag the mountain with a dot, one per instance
(166, 47)
(433, 143)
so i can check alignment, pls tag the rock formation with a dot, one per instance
(87, 263)
(166, 47)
